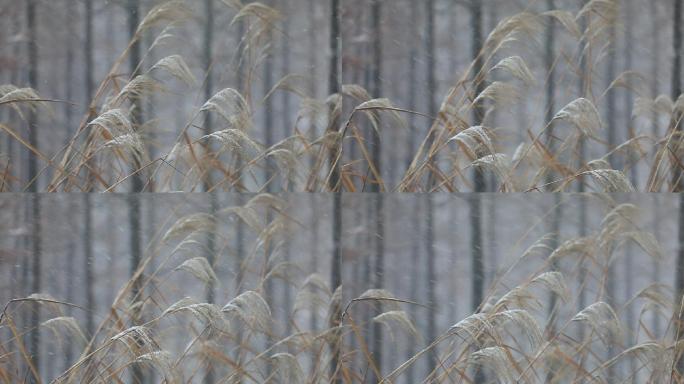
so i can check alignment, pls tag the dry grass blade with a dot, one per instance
(252, 309)
(176, 66)
(313, 294)
(602, 319)
(68, 323)
(200, 268)
(497, 360)
(501, 93)
(516, 66)
(583, 115)
(189, 225)
(288, 368)
(163, 362)
(398, 318)
(16, 97)
(114, 121)
(205, 312)
(475, 141)
(167, 12)
(567, 20)
(232, 106)
(610, 180)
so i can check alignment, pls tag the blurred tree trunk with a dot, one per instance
(412, 74)
(631, 334)
(431, 83)
(549, 59)
(549, 108)
(287, 186)
(429, 211)
(88, 265)
(553, 301)
(36, 230)
(376, 186)
(208, 57)
(479, 182)
(431, 278)
(611, 107)
(376, 92)
(269, 173)
(583, 88)
(655, 72)
(415, 256)
(133, 200)
(87, 235)
(477, 262)
(336, 265)
(134, 58)
(677, 182)
(312, 66)
(133, 18)
(312, 63)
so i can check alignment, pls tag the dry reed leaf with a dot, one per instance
(167, 12)
(206, 312)
(554, 282)
(16, 97)
(356, 92)
(235, 140)
(288, 369)
(583, 115)
(115, 121)
(611, 181)
(176, 66)
(516, 66)
(511, 28)
(398, 318)
(371, 109)
(523, 320)
(496, 360)
(567, 20)
(139, 87)
(501, 93)
(313, 294)
(232, 106)
(68, 323)
(163, 362)
(602, 319)
(189, 225)
(200, 268)
(252, 309)
(475, 141)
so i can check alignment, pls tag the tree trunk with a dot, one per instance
(431, 278)
(677, 182)
(336, 267)
(549, 58)
(479, 182)
(411, 139)
(134, 58)
(208, 182)
(376, 92)
(415, 270)
(334, 87)
(36, 233)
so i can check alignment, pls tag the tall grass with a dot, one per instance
(106, 144)
(516, 335)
